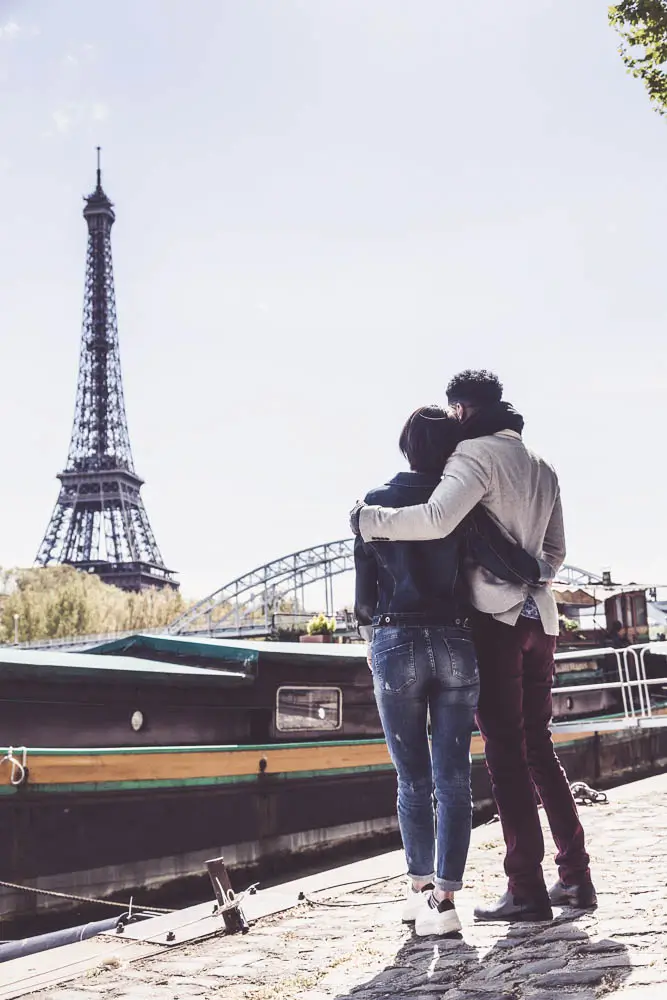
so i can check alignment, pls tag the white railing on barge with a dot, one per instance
(631, 665)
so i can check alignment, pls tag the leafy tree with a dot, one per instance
(60, 601)
(642, 26)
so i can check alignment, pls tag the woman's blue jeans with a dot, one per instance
(421, 673)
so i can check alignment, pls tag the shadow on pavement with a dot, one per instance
(548, 958)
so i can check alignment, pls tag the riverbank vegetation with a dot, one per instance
(60, 601)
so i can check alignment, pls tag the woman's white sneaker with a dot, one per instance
(437, 918)
(415, 901)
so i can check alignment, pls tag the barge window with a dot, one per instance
(308, 708)
(639, 609)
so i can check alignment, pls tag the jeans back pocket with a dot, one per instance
(394, 666)
(463, 659)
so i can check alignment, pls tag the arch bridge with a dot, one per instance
(250, 604)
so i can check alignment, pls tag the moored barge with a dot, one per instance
(133, 764)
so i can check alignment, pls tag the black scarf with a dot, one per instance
(491, 419)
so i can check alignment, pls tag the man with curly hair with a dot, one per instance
(514, 627)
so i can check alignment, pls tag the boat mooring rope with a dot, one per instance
(19, 769)
(364, 883)
(81, 899)
(584, 795)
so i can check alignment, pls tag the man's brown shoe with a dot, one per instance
(512, 909)
(580, 897)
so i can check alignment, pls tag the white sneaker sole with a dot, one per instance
(433, 923)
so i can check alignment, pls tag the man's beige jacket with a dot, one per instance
(519, 489)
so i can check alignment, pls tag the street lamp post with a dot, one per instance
(16, 629)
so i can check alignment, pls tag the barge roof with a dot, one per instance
(182, 648)
(52, 665)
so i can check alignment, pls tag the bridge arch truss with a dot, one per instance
(248, 603)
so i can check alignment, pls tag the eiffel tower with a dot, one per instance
(99, 524)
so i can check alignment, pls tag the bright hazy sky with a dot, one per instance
(324, 209)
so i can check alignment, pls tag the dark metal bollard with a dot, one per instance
(233, 916)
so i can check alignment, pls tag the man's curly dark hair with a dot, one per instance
(477, 388)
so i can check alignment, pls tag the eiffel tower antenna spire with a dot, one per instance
(99, 523)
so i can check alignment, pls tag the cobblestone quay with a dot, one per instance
(349, 951)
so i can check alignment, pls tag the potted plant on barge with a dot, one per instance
(567, 625)
(319, 629)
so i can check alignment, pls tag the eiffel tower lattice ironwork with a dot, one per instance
(99, 524)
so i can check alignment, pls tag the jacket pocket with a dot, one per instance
(394, 667)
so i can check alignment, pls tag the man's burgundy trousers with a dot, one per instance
(516, 667)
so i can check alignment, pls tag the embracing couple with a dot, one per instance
(454, 561)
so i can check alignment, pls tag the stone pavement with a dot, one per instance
(355, 948)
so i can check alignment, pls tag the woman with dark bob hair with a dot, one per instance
(412, 606)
